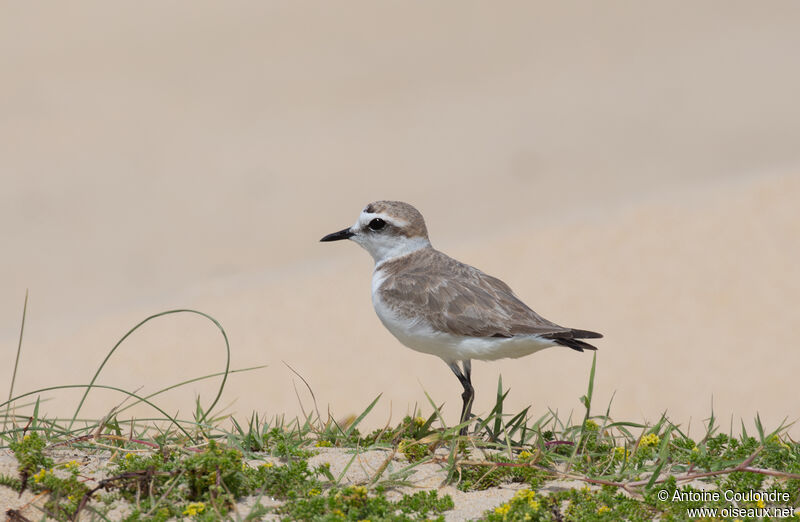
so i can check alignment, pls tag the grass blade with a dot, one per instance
(140, 324)
(361, 417)
(16, 361)
(498, 420)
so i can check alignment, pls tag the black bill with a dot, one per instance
(337, 236)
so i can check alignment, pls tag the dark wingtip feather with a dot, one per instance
(575, 344)
(570, 338)
(586, 334)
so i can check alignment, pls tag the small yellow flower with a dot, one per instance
(361, 491)
(72, 465)
(313, 492)
(40, 476)
(194, 509)
(761, 504)
(777, 440)
(603, 509)
(129, 456)
(651, 439)
(622, 453)
(502, 510)
(266, 465)
(419, 421)
(524, 455)
(534, 505)
(338, 513)
(323, 444)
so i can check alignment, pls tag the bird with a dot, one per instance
(437, 305)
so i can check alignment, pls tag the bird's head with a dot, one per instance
(386, 229)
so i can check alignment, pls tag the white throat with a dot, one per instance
(386, 248)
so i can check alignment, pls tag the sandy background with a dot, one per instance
(631, 169)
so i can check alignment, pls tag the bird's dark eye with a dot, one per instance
(377, 224)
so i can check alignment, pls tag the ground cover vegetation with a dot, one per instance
(591, 467)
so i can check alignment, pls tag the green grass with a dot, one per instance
(168, 467)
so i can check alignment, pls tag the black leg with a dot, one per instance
(465, 377)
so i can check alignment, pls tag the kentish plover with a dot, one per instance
(437, 305)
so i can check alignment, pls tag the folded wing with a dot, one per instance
(461, 300)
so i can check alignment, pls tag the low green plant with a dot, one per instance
(356, 503)
(167, 467)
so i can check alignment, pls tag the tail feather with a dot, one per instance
(570, 339)
(585, 334)
(575, 344)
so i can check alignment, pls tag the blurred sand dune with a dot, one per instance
(631, 169)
